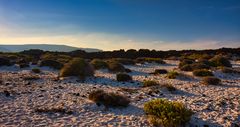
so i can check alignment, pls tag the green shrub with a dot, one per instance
(165, 113)
(196, 66)
(186, 67)
(36, 70)
(5, 62)
(123, 77)
(202, 73)
(114, 66)
(185, 62)
(169, 87)
(77, 67)
(160, 71)
(128, 70)
(108, 99)
(149, 83)
(172, 74)
(229, 70)
(31, 77)
(220, 61)
(150, 60)
(99, 64)
(124, 61)
(210, 80)
(51, 63)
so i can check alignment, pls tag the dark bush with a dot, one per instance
(99, 64)
(5, 62)
(128, 70)
(123, 77)
(115, 67)
(172, 74)
(23, 65)
(229, 70)
(77, 67)
(160, 71)
(165, 113)
(36, 70)
(31, 77)
(124, 61)
(108, 99)
(169, 87)
(210, 80)
(220, 61)
(185, 62)
(59, 109)
(186, 67)
(149, 83)
(202, 73)
(150, 60)
(196, 66)
(51, 63)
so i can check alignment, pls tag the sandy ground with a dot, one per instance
(213, 105)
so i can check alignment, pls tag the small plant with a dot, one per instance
(77, 67)
(160, 71)
(54, 110)
(185, 62)
(108, 99)
(98, 64)
(229, 70)
(148, 83)
(123, 77)
(114, 66)
(124, 61)
(165, 113)
(220, 61)
(186, 67)
(169, 87)
(31, 77)
(128, 70)
(210, 80)
(36, 70)
(51, 63)
(5, 62)
(202, 73)
(172, 74)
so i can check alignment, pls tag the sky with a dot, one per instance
(122, 24)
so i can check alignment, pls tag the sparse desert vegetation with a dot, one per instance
(152, 91)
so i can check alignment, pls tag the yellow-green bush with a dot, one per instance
(172, 74)
(114, 66)
(77, 67)
(148, 83)
(99, 64)
(220, 61)
(165, 113)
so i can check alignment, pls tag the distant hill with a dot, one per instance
(45, 47)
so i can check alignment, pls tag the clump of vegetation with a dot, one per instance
(108, 99)
(114, 66)
(210, 80)
(31, 77)
(77, 67)
(150, 60)
(160, 71)
(220, 61)
(148, 83)
(122, 77)
(202, 73)
(184, 62)
(169, 87)
(99, 64)
(186, 67)
(23, 65)
(128, 70)
(124, 61)
(36, 70)
(229, 70)
(5, 62)
(56, 57)
(172, 74)
(165, 113)
(51, 63)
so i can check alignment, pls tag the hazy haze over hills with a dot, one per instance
(45, 47)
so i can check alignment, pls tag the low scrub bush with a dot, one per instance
(77, 67)
(124, 61)
(54, 110)
(148, 83)
(128, 70)
(31, 77)
(202, 73)
(186, 67)
(229, 70)
(150, 60)
(5, 62)
(220, 61)
(172, 74)
(165, 113)
(160, 71)
(99, 64)
(184, 62)
(210, 80)
(123, 77)
(169, 87)
(36, 70)
(114, 66)
(51, 63)
(108, 99)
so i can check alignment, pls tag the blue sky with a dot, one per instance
(115, 24)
